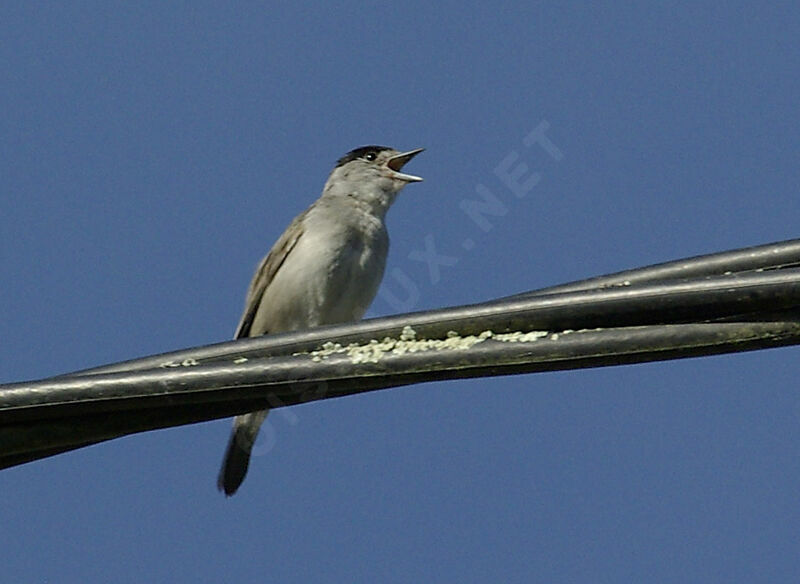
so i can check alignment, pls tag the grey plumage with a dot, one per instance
(324, 269)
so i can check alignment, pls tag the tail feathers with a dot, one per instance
(237, 456)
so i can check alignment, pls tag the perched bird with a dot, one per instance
(324, 269)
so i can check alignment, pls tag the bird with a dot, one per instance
(324, 269)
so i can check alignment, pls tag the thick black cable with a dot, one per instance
(197, 393)
(732, 301)
(771, 256)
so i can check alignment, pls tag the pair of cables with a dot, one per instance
(739, 300)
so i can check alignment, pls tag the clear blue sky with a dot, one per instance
(153, 151)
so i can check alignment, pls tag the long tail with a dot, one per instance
(237, 456)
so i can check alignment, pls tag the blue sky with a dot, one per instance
(151, 154)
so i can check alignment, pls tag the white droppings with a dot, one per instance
(520, 337)
(408, 334)
(375, 350)
(190, 362)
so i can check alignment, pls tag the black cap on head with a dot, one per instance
(360, 153)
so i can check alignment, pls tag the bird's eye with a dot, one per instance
(370, 156)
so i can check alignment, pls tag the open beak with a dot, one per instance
(398, 161)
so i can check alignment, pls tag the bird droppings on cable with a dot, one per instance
(520, 337)
(185, 363)
(408, 342)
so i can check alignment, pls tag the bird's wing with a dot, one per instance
(266, 272)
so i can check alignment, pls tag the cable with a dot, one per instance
(585, 324)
